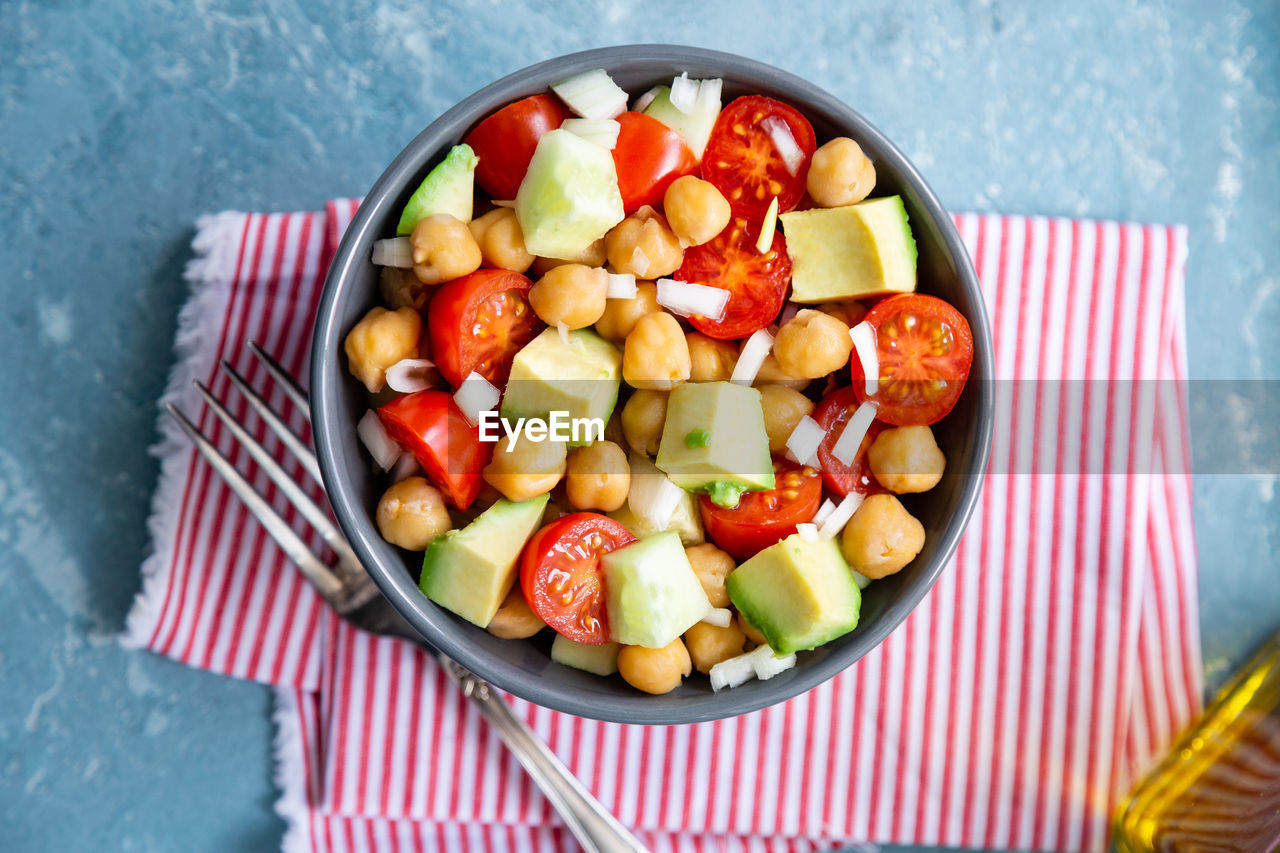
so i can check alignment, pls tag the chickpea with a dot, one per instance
(812, 344)
(654, 671)
(379, 340)
(840, 173)
(501, 241)
(696, 210)
(771, 373)
(711, 565)
(411, 513)
(401, 289)
(710, 360)
(906, 459)
(592, 256)
(709, 645)
(643, 418)
(598, 477)
(515, 619)
(655, 354)
(621, 315)
(525, 469)
(572, 294)
(749, 631)
(882, 537)
(443, 249)
(643, 245)
(848, 311)
(783, 409)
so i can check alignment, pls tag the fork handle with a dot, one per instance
(591, 824)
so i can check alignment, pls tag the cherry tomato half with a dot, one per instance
(430, 425)
(832, 414)
(925, 350)
(479, 322)
(757, 283)
(561, 578)
(744, 163)
(762, 518)
(505, 141)
(649, 156)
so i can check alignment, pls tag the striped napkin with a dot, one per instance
(1055, 658)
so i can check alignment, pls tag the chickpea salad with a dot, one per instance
(652, 373)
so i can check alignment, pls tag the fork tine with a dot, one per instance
(284, 379)
(314, 515)
(315, 571)
(290, 438)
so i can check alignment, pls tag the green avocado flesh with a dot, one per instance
(799, 594)
(569, 196)
(735, 455)
(470, 571)
(651, 592)
(448, 188)
(579, 377)
(861, 250)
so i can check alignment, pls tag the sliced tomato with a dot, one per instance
(925, 349)
(505, 141)
(649, 156)
(744, 162)
(479, 322)
(762, 518)
(832, 414)
(430, 425)
(757, 283)
(561, 578)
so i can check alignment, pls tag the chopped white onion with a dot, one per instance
(475, 396)
(684, 93)
(412, 374)
(602, 131)
(802, 444)
(393, 252)
(621, 286)
(860, 579)
(767, 666)
(864, 344)
(563, 328)
(708, 96)
(840, 516)
(770, 224)
(686, 298)
(846, 447)
(719, 616)
(639, 260)
(824, 511)
(789, 311)
(653, 497)
(760, 662)
(384, 451)
(592, 94)
(808, 531)
(752, 357)
(406, 466)
(780, 134)
(645, 100)
(506, 202)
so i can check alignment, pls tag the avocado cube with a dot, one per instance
(470, 571)
(448, 188)
(799, 594)
(569, 196)
(651, 592)
(601, 659)
(864, 249)
(685, 519)
(731, 452)
(579, 378)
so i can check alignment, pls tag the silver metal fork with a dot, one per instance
(347, 586)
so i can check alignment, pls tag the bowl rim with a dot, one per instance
(354, 519)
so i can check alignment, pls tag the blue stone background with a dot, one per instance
(121, 122)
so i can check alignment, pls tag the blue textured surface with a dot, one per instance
(122, 122)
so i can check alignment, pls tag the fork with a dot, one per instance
(351, 591)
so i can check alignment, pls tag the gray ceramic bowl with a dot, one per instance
(524, 667)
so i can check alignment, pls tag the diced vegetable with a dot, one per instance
(785, 141)
(621, 286)
(601, 131)
(684, 93)
(802, 444)
(592, 94)
(686, 298)
(864, 344)
(760, 662)
(721, 617)
(840, 516)
(412, 374)
(393, 252)
(646, 99)
(808, 532)
(384, 451)
(752, 357)
(475, 396)
(846, 446)
(770, 224)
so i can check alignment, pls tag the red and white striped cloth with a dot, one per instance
(1053, 661)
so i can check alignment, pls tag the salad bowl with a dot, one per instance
(526, 668)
